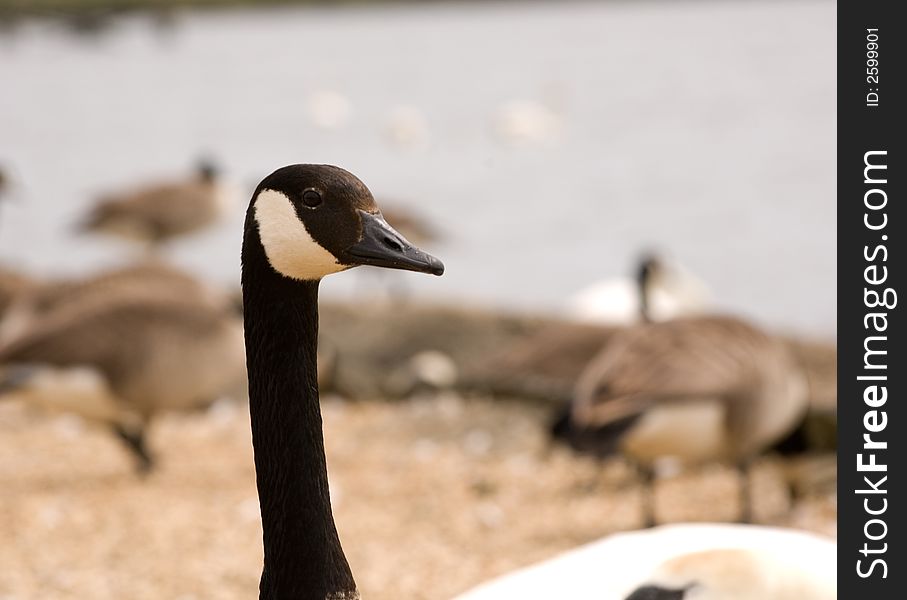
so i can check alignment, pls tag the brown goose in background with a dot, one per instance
(157, 213)
(545, 362)
(4, 191)
(121, 348)
(416, 227)
(142, 280)
(696, 389)
(12, 285)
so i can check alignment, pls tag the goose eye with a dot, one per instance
(311, 198)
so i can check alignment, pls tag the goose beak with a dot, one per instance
(382, 246)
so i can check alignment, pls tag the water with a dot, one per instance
(705, 129)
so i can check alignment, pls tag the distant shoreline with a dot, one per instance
(52, 8)
(12, 9)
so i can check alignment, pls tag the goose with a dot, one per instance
(6, 188)
(143, 277)
(695, 389)
(681, 562)
(12, 285)
(416, 227)
(141, 280)
(157, 213)
(659, 290)
(121, 358)
(546, 362)
(304, 222)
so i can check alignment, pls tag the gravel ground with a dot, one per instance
(431, 497)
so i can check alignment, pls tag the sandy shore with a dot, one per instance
(431, 496)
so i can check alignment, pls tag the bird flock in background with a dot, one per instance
(675, 383)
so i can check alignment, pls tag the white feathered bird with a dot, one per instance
(681, 562)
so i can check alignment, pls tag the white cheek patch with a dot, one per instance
(289, 247)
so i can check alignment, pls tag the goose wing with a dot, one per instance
(673, 361)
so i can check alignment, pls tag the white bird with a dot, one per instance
(329, 109)
(659, 291)
(407, 128)
(681, 562)
(527, 122)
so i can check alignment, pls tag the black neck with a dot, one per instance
(303, 558)
(644, 285)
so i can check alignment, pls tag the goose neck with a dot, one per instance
(303, 558)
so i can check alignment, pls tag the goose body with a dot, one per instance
(694, 389)
(156, 213)
(121, 358)
(141, 281)
(304, 222)
(681, 562)
(684, 392)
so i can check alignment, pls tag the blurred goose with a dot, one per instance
(693, 390)
(12, 285)
(121, 358)
(415, 226)
(140, 280)
(304, 222)
(5, 190)
(156, 213)
(660, 290)
(681, 562)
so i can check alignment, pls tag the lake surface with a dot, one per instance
(704, 129)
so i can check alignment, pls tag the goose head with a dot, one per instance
(314, 220)
(667, 290)
(648, 269)
(207, 170)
